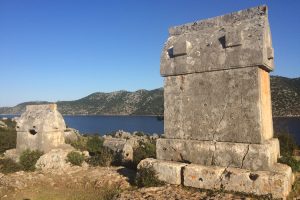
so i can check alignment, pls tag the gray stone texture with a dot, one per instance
(228, 106)
(277, 181)
(226, 154)
(217, 103)
(240, 39)
(170, 172)
(40, 127)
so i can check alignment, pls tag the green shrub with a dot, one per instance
(290, 161)
(9, 166)
(94, 144)
(287, 144)
(75, 158)
(144, 150)
(80, 144)
(29, 158)
(103, 157)
(147, 177)
(8, 136)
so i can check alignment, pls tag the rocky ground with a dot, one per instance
(79, 183)
(76, 183)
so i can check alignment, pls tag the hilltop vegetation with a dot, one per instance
(285, 96)
(285, 101)
(141, 102)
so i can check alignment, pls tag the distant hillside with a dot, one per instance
(141, 102)
(285, 96)
(285, 101)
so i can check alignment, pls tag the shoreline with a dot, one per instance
(112, 115)
(124, 115)
(293, 116)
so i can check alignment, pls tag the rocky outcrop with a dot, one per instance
(68, 184)
(71, 135)
(124, 143)
(56, 159)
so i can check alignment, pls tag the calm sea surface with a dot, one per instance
(150, 124)
(106, 124)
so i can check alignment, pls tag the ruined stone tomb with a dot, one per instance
(40, 127)
(218, 116)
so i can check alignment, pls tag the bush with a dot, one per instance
(103, 157)
(147, 177)
(287, 147)
(287, 144)
(29, 158)
(109, 192)
(290, 161)
(9, 166)
(8, 136)
(80, 144)
(75, 158)
(94, 144)
(144, 150)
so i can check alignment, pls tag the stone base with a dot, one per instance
(225, 154)
(170, 172)
(276, 182)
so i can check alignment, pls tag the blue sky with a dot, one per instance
(66, 49)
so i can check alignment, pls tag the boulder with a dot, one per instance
(124, 143)
(71, 134)
(12, 154)
(122, 134)
(54, 159)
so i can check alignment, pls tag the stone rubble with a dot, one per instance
(125, 143)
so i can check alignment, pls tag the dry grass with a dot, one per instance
(295, 193)
(47, 192)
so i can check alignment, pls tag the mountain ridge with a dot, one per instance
(285, 101)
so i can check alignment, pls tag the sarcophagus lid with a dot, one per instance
(41, 118)
(236, 40)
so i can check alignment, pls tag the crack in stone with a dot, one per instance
(221, 177)
(248, 147)
(213, 156)
(224, 111)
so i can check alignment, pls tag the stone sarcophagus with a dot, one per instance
(218, 115)
(40, 127)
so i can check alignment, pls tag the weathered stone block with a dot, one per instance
(235, 40)
(226, 154)
(187, 151)
(40, 127)
(170, 172)
(228, 106)
(277, 181)
(115, 144)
